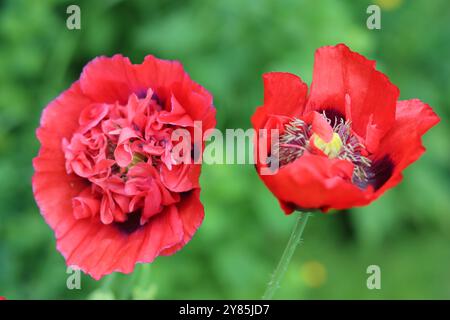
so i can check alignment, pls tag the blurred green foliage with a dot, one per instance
(226, 46)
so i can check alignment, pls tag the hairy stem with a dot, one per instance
(279, 272)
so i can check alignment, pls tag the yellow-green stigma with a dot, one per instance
(137, 157)
(332, 148)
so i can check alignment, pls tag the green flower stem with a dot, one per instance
(279, 272)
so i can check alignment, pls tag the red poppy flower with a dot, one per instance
(347, 141)
(104, 180)
(2, 298)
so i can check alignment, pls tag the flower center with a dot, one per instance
(332, 148)
(137, 157)
(299, 138)
(121, 150)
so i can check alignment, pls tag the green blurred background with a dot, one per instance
(226, 46)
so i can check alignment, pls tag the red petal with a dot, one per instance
(114, 79)
(60, 118)
(321, 127)
(315, 182)
(92, 115)
(402, 144)
(152, 203)
(53, 192)
(123, 155)
(181, 178)
(338, 72)
(259, 118)
(100, 249)
(176, 116)
(263, 139)
(108, 80)
(85, 204)
(191, 213)
(167, 78)
(284, 94)
(196, 101)
(52, 187)
(159, 74)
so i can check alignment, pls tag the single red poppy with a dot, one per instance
(2, 298)
(347, 141)
(104, 180)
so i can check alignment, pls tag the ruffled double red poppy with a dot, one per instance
(104, 179)
(347, 141)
